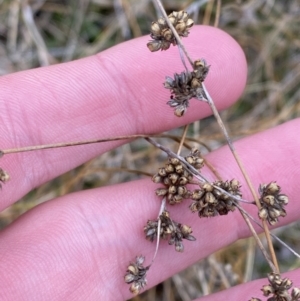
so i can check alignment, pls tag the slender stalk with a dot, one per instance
(66, 144)
(162, 208)
(259, 243)
(182, 138)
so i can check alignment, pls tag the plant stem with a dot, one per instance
(182, 138)
(162, 208)
(245, 174)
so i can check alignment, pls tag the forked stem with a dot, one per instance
(221, 124)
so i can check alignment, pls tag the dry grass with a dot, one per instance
(42, 32)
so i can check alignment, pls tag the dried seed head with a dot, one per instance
(170, 230)
(278, 288)
(136, 275)
(200, 69)
(272, 202)
(209, 201)
(184, 86)
(163, 36)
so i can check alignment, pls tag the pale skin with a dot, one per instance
(77, 247)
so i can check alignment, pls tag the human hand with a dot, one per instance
(77, 247)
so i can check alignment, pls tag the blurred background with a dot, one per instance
(42, 32)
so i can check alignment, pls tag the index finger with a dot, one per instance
(117, 92)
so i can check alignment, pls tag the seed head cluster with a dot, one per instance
(185, 86)
(278, 289)
(169, 230)
(162, 34)
(136, 275)
(209, 201)
(272, 202)
(175, 178)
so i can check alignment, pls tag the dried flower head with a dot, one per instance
(209, 201)
(4, 177)
(162, 34)
(185, 86)
(175, 177)
(279, 289)
(272, 202)
(136, 275)
(169, 230)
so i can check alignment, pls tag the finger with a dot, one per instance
(81, 244)
(117, 92)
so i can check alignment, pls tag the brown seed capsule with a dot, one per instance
(174, 161)
(269, 199)
(296, 293)
(172, 189)
(161, 191)
(157, 178)
(210, 198)
(179, 169)
(180, 27)
(129, 278)
(167, 34)
(162, 172)
(135, 288)
(173, 177)
(154, 45)
(267, 290)
(207, 187)
(272, 188)
(282, 198)
(182, 190)
(155, 28)
(167, 181)
(180, 110)
(4, 176)
(179, 246)
(182, 181)
(177, 198)
(133, 269)
(263, 213)
(169, 168)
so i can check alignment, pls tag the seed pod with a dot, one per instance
(282, 198)
(154, 45)
(269, 199)
(174, 161)
(157, 178)
(133, 269)
(272, 188)
(4, 176)
(162, 172)
(129, 278)
(180, 110)
(207, 187)
(179, 169)
(135, 288)
(267, 290)
(172, 189)
(161, 191)
(182, 190)
(173, 177)
(295, 293)
(263, 213)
